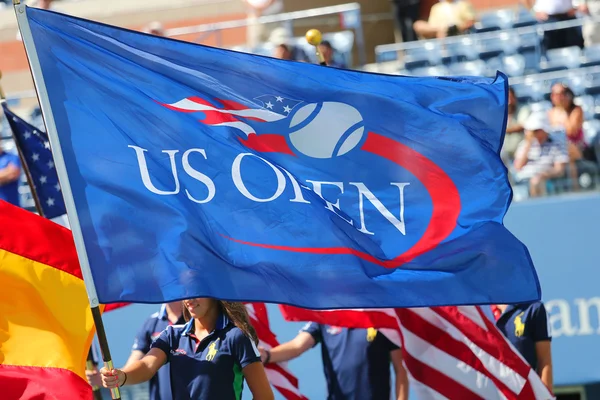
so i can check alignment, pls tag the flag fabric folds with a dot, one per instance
(449, 352)
(278, 374)
(458, 353)
(201, 172)
(46, 326)
(35, 148)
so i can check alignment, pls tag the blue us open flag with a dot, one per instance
(35, 147)
(204, 172)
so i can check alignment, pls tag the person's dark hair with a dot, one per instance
(326, 43)
(570, 94)
(237, 313)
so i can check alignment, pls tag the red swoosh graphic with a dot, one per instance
(444, 196)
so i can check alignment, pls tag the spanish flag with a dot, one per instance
(46, 325)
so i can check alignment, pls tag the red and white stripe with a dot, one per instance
(449, 352)
(278, 374)
(228, 115)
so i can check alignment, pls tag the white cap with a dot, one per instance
(537, 121)
(155, 27)
(279, 36)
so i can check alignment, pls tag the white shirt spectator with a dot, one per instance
(553, 7)
(541, 157)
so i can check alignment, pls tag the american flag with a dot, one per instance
(35, 148)
(278, 374)
(449, 352)
(232, 114)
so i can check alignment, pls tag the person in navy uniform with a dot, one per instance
(10, 172)
(210, 355)
(160, 385)
(356, 362)
(526, 327)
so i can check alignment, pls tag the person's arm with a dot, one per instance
(257, 382)
(515, 128)
(137, 372)
(574, 122)
(9, 174)
(522, 153)
(544, 360)
(135, 355)
(401, 375)
(288, 350)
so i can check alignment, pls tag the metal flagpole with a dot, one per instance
(61, 170)
(34, 195)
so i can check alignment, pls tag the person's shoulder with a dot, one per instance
(174, 331)
(534, 307)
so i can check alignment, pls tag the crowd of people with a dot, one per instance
(205, 349)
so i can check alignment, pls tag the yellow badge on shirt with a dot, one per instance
(519, 325)
(212, 351)
(371, 333)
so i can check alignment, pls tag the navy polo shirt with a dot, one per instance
(210, 368)
(524, 325)
(160, 384)
(10, 191)
(356, 362)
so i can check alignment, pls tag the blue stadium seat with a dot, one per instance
(427, 55)
(560, 59)
(577, 82)
(588, 104)
(591, 130)
(504, 44)
(524, 18)
(532, 91)
(530, 48)
(460, 51)
(469, 68)
(495, 21)
(514, 65)
(591, 56)
(592, 86)
(438, 70)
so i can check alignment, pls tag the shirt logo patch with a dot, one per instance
(519, 325)
(334, 330)
(212, 351)
(371, 333)
(178, 352)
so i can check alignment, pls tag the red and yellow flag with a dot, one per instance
(46, 326)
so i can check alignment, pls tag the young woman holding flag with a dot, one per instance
(210, 355)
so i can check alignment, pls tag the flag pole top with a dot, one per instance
(314, 37)
(16, 2)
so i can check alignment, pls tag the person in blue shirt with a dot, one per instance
(210, 355)
(10, 172)
(356, 362)
(526, 327)
(160, 384)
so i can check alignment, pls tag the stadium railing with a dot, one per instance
(350, 14)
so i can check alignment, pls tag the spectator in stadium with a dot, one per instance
(556, 11)
(406, 13)
(328, 52)
(10, 172)
(279, 37)
(526, 327)
(539, 157)
(514, 127)
(446, 18)
(282, 52)
(568, 117)
(155, 28)
(356, 362)
(591, 29)
(160, 384)
(210, 356)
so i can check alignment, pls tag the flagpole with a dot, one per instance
(61, 170)
(34, 195)
(314, 37)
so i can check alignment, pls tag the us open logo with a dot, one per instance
(325, 132)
